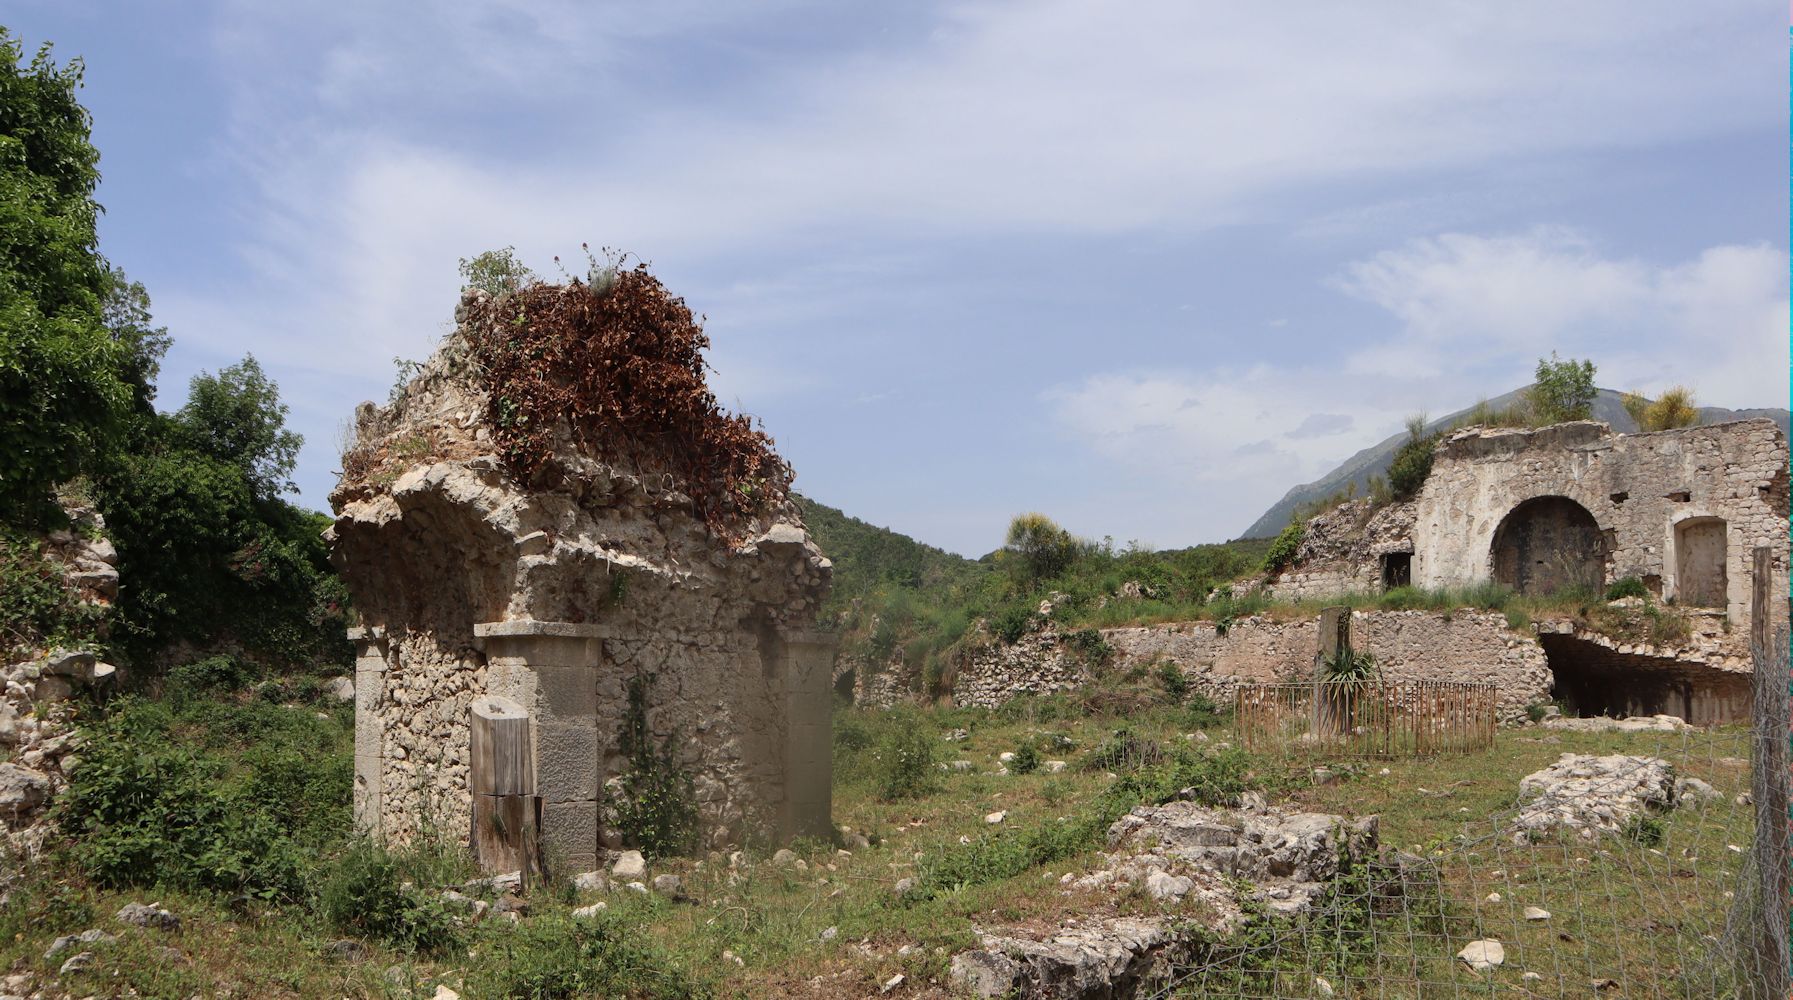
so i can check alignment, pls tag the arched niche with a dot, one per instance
(1700, 559)
(1549, 544)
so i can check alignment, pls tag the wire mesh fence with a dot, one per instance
(1655, 865)
(1368, 718)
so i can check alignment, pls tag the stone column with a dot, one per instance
(370, 684)
(808, 667)
(551, 669)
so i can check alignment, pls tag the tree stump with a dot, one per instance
(506, 808)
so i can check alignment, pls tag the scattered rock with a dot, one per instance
(1483, 955)
(830, 933)
(594, 882)
(345, 950)
(68, 941)
(1053, 766)
(996, 817)
(1323, 986)
(340, 689)
(1165, 886)
(149, 915)
(79, 963)
(629, 864)
(1493, 897)
(639, 888)
(904, 886)
(1291, 857)
(444, 993)
(1695, 791)
(892, 983)
(858, 842)
(669, 885)
(23, 792)
(1634, 724)
(1591, 795)
(1536, 913)
(784, 856)
(590, 912)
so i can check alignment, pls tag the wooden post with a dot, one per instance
(1331, 708)
(506, 809)
(1763, 910)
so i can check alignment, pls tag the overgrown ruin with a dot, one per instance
(552, 515)
(1576, 507)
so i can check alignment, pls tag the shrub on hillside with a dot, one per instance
(207, 795)
(1026, 759)
(1012, 622)
(1630, 586)
(908, 758)
(552, 957)
(367, 895)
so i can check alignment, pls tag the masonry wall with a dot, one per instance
(1641, 490)
(1408, 645)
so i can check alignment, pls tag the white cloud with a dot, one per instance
(1473, 315)
(384, 142)
(1466, 302)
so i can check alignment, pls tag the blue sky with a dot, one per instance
(1140, 267)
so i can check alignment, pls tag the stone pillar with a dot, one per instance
(808, 666)
(370, 685)
(551, 669)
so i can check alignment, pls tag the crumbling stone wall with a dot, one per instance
(1344, 550)
(1460, 645)
(1644, 492)
(1038, 663)
(553, 590)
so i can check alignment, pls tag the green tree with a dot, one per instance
(124, 311)
(1561, 390)
(62, 396)
(236, 416)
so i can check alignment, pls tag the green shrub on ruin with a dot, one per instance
(1282, 551)
(656, 806)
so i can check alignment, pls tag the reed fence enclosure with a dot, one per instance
(1366, 718)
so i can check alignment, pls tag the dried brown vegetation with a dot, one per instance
(622, 372)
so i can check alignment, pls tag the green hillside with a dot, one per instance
(893, 593)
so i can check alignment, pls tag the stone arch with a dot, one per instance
(1701, 555)
(1547, 544)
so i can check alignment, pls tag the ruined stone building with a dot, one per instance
(546, 575)
(1577, 505)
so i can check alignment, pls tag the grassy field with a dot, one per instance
(1635, 911)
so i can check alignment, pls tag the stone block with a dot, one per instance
(570, 832)
(566, 761)
(566, 694)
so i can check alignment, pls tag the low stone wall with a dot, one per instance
(1407, 645)
(1037, 664)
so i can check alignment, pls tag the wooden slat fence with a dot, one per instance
(1374, 718)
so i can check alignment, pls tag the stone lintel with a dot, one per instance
(531, 627)
(809, 637)
(367, 633)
